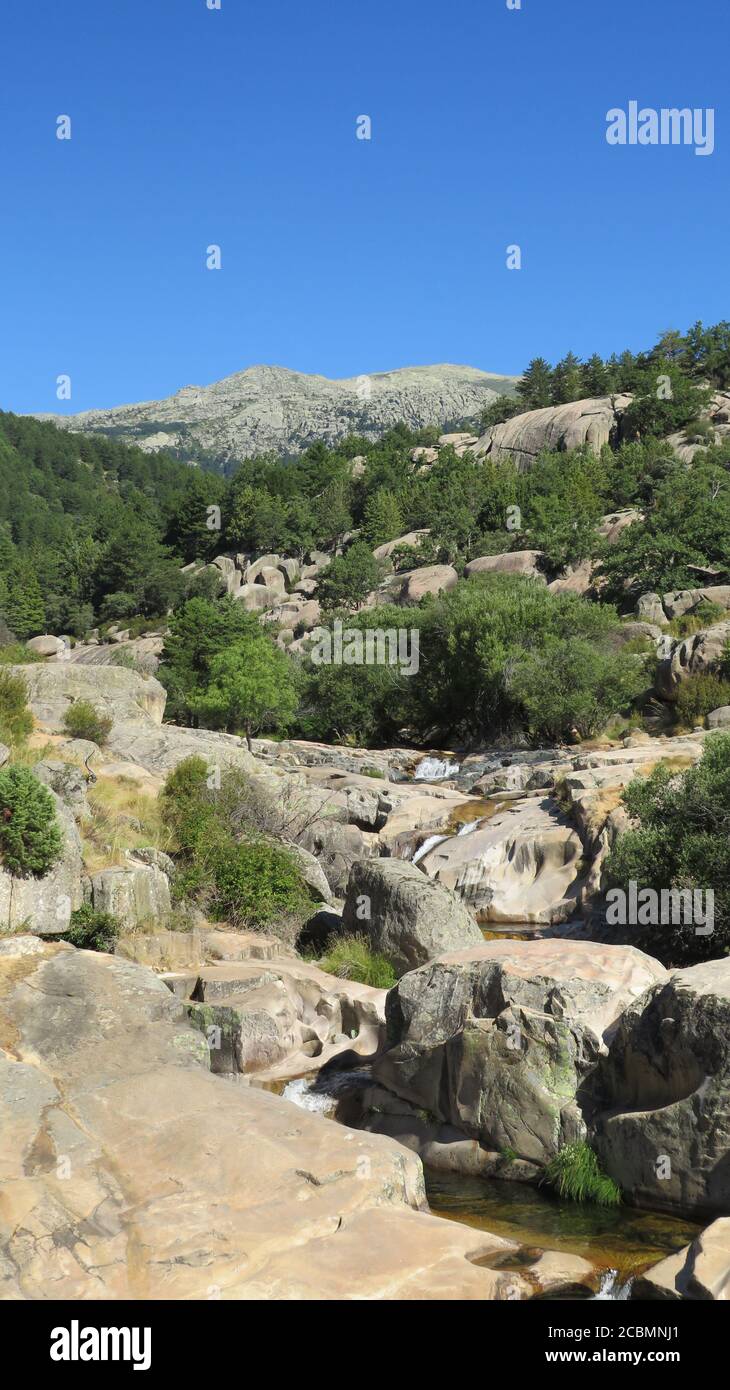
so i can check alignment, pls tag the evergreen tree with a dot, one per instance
(594, 377)
(24, 610)
(383, 520)
(535, 386)
(567, 384)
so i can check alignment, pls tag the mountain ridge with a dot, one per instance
(276, 409)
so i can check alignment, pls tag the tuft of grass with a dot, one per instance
(122, 818)
(351, 958)
(576, 1174)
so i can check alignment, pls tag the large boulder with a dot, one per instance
(128, 1171)
(137, 894)
(114, 691)
(159, 750)
(520, 440)
(430, 579)
(501, 1040)
(664, 1130)
(524, 562)
(408, 919)
(256, 598)
(699, 654)
(68, 781)
(411, 538)
(44, 905)
(45, 645)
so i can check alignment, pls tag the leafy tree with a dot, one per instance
(665, 401)
(348, 579)
(251, 687)
(574, 685)
(199, 631)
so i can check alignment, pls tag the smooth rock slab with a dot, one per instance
(128, 1171)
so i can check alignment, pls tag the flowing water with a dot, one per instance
(435, 770)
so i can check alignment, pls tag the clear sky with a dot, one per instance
(342, 256)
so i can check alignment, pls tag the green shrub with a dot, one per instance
(681, 841)
(91, 931)
(698, 696)
(83, 720)
(17, 654)
(576, 1174)
(30, 836)
(352, 958)
(704, 615)
(16, 720)
(255, 883)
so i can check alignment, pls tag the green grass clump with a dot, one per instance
(575, 1173)
(351, 958)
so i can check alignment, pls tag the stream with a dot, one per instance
(621, 1242)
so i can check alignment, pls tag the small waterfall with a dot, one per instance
(470, 825)
(610, 1288)
(435, 770)
(321, 1093)
(427, 845)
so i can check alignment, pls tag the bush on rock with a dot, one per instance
(30, 836)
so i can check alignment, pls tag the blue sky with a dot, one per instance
(344, 256)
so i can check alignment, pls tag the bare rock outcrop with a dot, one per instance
(521, 439)
(501, 1040)
(128, 1171)
(114, 691)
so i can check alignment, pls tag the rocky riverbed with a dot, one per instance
(153, 1141)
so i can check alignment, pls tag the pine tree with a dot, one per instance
(534, 388)
(594, 377)
(24, 609)
(567, 381)
(383, 520)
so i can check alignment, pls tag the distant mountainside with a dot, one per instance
(272, 408)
